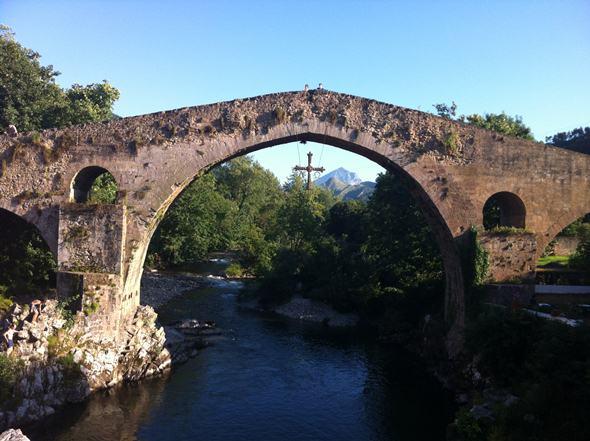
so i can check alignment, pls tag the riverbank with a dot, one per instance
(157, 288)
(308, 310)
(57, 359)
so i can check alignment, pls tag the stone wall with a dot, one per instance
(91, 238)
(511, 256)
(565, 245)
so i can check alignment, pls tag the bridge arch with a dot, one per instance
(83, 181)
(27, 260)
(324, 133)
(504, 209)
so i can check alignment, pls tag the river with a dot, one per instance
(264, 378)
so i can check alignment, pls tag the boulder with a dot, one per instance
(13, 435)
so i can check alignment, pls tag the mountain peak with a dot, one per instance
(345, 176)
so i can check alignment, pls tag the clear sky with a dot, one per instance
(528, 58)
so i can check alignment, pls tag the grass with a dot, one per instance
(553, 261)
(503, 230)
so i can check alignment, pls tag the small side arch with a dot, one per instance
(504, 209)
(83, 185)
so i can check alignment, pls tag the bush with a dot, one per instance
(504, 230)
(546, 364)
(5, 302)
(234, 270)
(10, 370)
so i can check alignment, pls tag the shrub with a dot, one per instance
(546, 364)
(508, 231)
(5, 302)
(10, 370)
(451, 143)
(280, 114)
(234, 270)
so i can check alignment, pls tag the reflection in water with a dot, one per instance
(265, 378)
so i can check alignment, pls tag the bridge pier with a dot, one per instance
(90, 254)
(512, 257)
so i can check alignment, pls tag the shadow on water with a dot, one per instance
(266, 378)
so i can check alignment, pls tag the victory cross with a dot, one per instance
(309, 169)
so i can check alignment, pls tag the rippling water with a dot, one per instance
(265, 378)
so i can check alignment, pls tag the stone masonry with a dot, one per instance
(451, 169)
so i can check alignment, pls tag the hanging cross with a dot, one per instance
(309, 169)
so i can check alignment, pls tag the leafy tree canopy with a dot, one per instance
(577, 140)
(498, 122)
(30, 98)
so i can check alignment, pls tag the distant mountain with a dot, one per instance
(343, 175)
(346, 185)
(360, 191)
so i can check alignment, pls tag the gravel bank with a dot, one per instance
(314, 311)
(158, 288)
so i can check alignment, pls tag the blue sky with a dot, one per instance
(528, 58)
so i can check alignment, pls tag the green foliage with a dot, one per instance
(492, 214)
(10, 370)
(5, 302)
(351, 254)
(26, 264)
(581, 258)
(231, 208)
(577, 228)
(467, 427)
(400, 240)
(451, 143)
(503, 230)
(545, 363)
(475, 261)
(53, 346)
(67, 308)
(577, 140)
(234, 270)
(90, 308)
(104, 190)
(31, 99)
(501, 123)
(553, 260)
(445, 110)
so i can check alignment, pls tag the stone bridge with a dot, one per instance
(451, 169)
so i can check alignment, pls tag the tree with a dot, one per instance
(501, 123)
(103, 190)
(577, 140)
(30, 98)
(195, 225)
(400, 243)
(232, 208)
(26, 264)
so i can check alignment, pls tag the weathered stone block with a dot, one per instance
(97, 297)
(565, 245)
(91, 238)
(511, 256)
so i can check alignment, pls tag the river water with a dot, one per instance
(265, 378)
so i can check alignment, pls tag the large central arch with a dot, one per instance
(454, 290)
